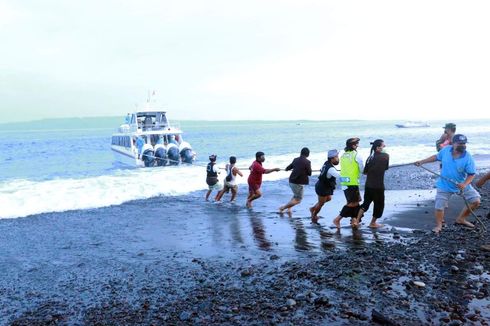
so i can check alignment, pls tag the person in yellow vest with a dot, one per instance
(351, 166)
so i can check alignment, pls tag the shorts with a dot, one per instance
(442, 197)
(322, 191)
(216, 186)
(229, 186)
(253, 188)
(298, 190)
(352, 194)
(349, 211)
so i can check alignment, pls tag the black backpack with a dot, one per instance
(229, 176)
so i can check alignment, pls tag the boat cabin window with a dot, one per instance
(152, 120)
(124, 141)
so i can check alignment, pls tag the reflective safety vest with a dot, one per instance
(349, 169)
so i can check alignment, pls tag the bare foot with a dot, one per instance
(314, 220)
(249, 204)
(336, 222)
(375, 225)
(437, 229)
(281, 210)
(354, 223)
(464, 223)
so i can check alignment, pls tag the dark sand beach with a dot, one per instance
(179, 260)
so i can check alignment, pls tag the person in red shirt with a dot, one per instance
(255, 178)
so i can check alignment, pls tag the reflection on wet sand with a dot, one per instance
(259, 231)
(301, 237)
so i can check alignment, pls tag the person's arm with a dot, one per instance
(267, 171)
(468, 180)
(482, 180)
(387, 162)
(290, 166)
(308, 168)
(333, 172)
(237, 171)
(430, 159)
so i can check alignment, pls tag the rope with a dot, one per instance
(461, 193)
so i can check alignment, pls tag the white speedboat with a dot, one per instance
(413, 124)
(147, 139)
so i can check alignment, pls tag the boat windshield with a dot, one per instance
(152, 120)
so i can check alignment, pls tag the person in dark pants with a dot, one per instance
(351, 167)
(374, 191)
(301, 167)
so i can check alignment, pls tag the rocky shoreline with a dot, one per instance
(416, 279)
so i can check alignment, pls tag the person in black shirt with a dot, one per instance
(301, 167)
(327, 181)
(374, 191)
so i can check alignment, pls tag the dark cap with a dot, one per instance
(449, 125)
(212, 157)
(352, 141)
(259, 154)
(459, 138)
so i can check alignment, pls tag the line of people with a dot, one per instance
(457, 172)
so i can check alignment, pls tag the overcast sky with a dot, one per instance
(246, 59)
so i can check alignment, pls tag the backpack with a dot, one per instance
(229, 176)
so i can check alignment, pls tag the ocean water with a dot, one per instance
(66, 164)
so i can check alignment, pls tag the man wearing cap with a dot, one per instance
(301, 167)
(255, 178)
(327, 181)
(351, 165)
(458, 170)
(447, 137)
(212, 175)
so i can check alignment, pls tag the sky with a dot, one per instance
(254, 59)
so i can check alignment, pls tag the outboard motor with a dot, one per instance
(187, 155)
(160, 155)
(148, 155)
(173, 154)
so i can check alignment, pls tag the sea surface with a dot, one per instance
(66, 164)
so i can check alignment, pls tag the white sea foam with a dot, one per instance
(20, 198)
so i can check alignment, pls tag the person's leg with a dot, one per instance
(368, 199)
(441, 201)
(473, 199)
(318, 206)
(336, 221)
(439, 214)
(379, 205)
(207, 194)
(256, 195)
(233, 193)
(297, 197)
(220, 194)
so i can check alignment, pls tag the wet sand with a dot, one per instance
(182, 261)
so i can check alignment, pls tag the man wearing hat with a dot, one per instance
(447, 137)
(212, 175)
(327, 181)
(351, 165)
(458, 170)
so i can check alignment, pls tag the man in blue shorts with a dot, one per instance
(458, 170)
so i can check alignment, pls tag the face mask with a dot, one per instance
(461, 148)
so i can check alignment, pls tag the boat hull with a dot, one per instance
(124, 156)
